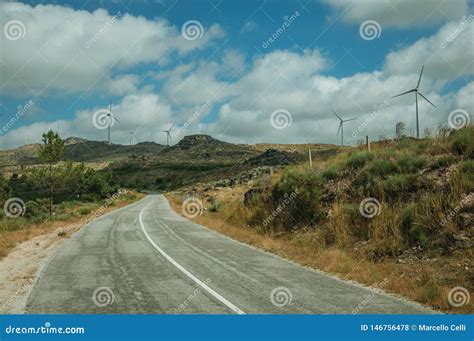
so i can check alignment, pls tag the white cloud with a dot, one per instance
(68, 50)
(294, 81)
(400, 13)
(249, 26)
(123, 84)
(446, 55)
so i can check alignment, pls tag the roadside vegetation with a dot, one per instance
(43, 197)
(403, 211)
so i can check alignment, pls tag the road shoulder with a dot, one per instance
(23, 264)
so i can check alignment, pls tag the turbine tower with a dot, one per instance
(417, 93)
(341, 126)
(132, 136)
(168, 135)
(110, 120)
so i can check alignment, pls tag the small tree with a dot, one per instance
(51, 152)
(400, 130)
(4, 189)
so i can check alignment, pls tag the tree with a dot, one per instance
(400, 130)
(4, 189)
(51, 152)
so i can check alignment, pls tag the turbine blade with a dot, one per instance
(403, 93)
(340, 125)
(419, 79)
(426, 99)
(350, 119)
(172, 126)
(339, 117)
(115, 118)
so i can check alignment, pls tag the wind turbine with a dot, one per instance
(417, 93)
(341, 126)
(132, 135)
(168, 135)
(110, 118)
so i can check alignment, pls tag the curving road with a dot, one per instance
(145, 258)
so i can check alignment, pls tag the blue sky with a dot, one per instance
(68, 59)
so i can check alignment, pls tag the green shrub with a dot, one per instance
(463, 142)
(442, 162)
(409, 163)
(295, 199)
(412, 233)
(382, 167)
(332, 172)
(37, 210)
(395, 186)
(359, 159)
(467, 166)
(216, 207)
(84, 210)
(62, 217)
(357, 223)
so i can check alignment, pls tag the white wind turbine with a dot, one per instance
(417, 93)
(110, 119)
(132, 137)
(341, 126)
(168, 135)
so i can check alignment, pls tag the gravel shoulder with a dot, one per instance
(24, 263)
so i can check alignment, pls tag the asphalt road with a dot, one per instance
(145, 258)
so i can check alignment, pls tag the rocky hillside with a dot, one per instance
(402, 214)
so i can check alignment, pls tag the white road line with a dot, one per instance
(186, 272)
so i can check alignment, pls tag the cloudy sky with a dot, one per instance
(242, 71)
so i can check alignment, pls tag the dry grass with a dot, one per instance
(10, 239)
(424, 282)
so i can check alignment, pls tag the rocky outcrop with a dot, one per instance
(274, 157)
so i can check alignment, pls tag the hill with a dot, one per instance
(195, 158)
